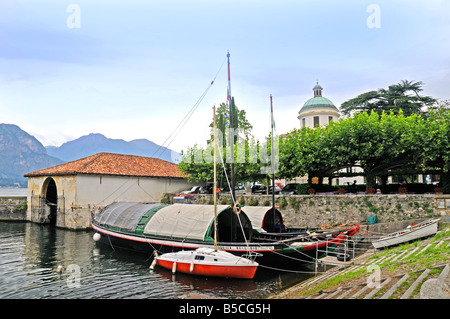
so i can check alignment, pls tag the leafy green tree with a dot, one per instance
(196, 162)
(239, 120)
(379, 143)
(401, 96)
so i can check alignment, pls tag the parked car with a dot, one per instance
(206, 189)
(239, 189)
(193, 190)
(289, 189)
(259, 189)
(277, 189)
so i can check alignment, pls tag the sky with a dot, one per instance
(134, 69)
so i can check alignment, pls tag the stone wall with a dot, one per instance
(13, 208)
(320, 210)
(303, 210)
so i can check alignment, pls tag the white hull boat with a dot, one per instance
(413, 232)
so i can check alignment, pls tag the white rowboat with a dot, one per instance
(413, 232)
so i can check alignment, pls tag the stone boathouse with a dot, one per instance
(65, 195)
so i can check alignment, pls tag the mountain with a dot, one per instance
(95, 143)
(20, 153)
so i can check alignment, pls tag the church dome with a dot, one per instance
(318, 101)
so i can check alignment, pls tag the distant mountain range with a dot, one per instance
(22, 153)
(94, 143)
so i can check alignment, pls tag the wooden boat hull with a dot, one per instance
(420, 231)
(244, 272)
(274, 254)
(208, 262)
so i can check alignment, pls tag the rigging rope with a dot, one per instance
(186, 118)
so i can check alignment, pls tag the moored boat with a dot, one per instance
(208, 262)
(146, 227)
(246, 230)
(415, 231)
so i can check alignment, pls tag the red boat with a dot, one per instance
(208, 262)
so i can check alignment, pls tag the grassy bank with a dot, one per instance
(412, 259)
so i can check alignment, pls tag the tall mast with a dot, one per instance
(272, 161)
(215, 182)
(230, 108)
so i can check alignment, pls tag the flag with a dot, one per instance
(272, 122)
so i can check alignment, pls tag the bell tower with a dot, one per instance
(317, 90)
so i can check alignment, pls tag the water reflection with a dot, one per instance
(39, 261)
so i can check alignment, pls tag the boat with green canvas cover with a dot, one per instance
(147, 227)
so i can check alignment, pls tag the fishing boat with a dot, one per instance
(207, 261)
(415, 231)
(258, 232)
(145, 227)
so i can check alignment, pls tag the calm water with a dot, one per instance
(12, 191)
(30, 255)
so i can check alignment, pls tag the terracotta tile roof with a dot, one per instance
(114, 164)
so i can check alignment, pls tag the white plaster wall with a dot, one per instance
(65, 187)
(323, 118)
(96, 190)
(82, 193)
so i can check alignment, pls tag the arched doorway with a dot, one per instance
(51, 199)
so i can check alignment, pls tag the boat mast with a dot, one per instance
(230, 107)
(272, 162)
(215, 183)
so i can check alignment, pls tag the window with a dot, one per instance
(197, 257)
(330, 119)
(303, 122)
(316, 121)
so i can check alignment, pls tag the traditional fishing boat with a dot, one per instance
(146, 227)
(241, 231)
(415, 231)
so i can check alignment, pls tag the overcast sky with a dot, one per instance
(134, 69)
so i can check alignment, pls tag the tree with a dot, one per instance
(381, 145)
(196, 162)
(239, 119)
(401, 96)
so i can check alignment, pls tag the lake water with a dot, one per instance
(13, 191)
(38, 261)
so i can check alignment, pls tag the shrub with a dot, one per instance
(402, 190)
(283, 203)
(302, 189)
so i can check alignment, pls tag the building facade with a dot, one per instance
(321, 111)
(65, 195)
(318, 110)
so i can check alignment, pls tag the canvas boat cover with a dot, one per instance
(175, 221)
(183, 221)
(124, 215)
(262, 219)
